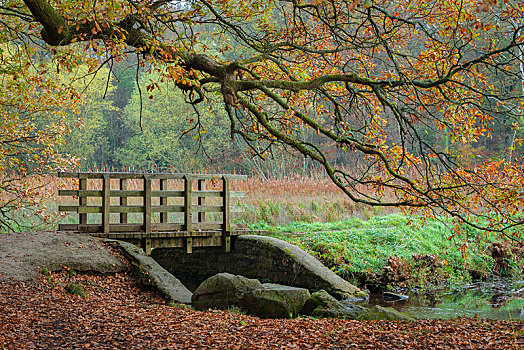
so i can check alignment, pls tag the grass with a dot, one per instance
(295, 199)
(358, 250)
(76, 289)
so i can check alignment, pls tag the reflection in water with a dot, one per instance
(500, 300)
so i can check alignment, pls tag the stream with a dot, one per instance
(499, 300)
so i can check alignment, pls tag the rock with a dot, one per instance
(322, 304)
(149, 273)
(275, 301)
(287, 264)
(380, 313)
(222, 291)
(23, 255)
(259, 257)
(389, 296)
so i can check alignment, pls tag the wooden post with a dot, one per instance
(147, 204)
(147, 245)
(189, 245)
(226, 213)
(188, 212)
(163, 200)
(123, 200)
(201, 200)
(82, 185)
(188, 203)
(106, 202)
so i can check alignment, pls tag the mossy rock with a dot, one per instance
(275, 301)
(322, 304)
(222, 291)
(381, 313)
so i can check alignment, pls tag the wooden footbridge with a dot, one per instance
(154, 210)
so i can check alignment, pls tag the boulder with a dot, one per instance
(381, 313)
(260, 257)
(24, 254)
(287, 264)
(275, 301)
(322, 304)
(149, 273)
(222, 291)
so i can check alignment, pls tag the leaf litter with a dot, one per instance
(117, 314)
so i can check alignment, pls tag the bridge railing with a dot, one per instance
(202, 207)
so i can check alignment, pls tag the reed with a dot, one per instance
(300, 199)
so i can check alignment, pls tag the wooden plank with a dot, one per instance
(98, 193)
(126, 193)
(67, 227)
(82, 210)
(126, 175)
(201, 201)
(167, 208)
(123, 175)
(214, 241)
(167, 226)
(99, 209)
(180, 234)
(188, 203)
(127, 209)
(106, 203)
(208, 226)
(80, 193)
(167, 243)
(166, 193)
(82, 186)
(88, 228)
(126, 227)
(181, 208)
(147, 203)
(207, 208)
(123, 200)
(163, 200)
(139, 209)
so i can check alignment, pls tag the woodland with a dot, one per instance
(414, 106)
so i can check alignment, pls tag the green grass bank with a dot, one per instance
(398, 250)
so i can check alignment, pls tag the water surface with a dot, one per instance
(499, 300)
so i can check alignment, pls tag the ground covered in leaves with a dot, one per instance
(116, 314)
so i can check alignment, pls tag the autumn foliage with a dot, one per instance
(401, 87)
(28, 145)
